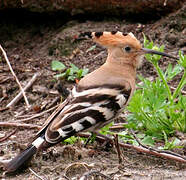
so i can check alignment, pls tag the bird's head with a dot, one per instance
(122, 48)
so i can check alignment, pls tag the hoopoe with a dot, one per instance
(97, 99)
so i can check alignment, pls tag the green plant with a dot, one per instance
(155, 109)
(91, 48)
(70, 140)
(126, 136)
(105, 130)
(73, 140)
(57, 66)
(71, 74)
(170, 144)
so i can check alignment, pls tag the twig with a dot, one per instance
(182, 91)
(22, 91)
(37, 115)
(138, 141)
(19, 125)
(159, 153)
(153, 149)
(20, 114)
(117, 148)
(117, 126)
(19, 96)
(53, 102)
(7, 136)
(165, 3)
(99, 54)
(92, 173)
(4, 93)
(3, 109)
(33, 172)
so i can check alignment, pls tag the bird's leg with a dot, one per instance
(117, 148)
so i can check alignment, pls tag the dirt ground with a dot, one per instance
(32, 41)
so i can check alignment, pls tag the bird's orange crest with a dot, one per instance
(113, 38)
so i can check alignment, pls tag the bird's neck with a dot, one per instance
(123, 66)
(125, 71)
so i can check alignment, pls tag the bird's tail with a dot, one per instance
(22, 158)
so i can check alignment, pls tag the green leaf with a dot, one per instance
(91, 48)
(68, 72)
(62, 75)
(105, 129)
(79, 73)
(182, 60)
(85, 72)
(71, 78)
(148, 140)
(57, 66)
(161, 49)
(172, 144)
(71, 140)
(82, 72)
(172, 72)
(74, 68)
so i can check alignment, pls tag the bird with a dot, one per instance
(97, 99)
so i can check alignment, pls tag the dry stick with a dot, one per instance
(7, 136)
(37, 115)
(10, 67)
(117, 126)
(20, 95)
(54, 102)
(117, 148)
(32, 116)
(3, 109)
(165, 3)
(153, 149)
(33, 172)
(19, 125)
(159, 153)
(138, 141)
(182, 91)
(99, 54)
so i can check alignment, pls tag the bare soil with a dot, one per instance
(32, 41)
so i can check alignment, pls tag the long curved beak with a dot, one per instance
(150, 51)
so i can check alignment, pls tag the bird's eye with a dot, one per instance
(127, 48)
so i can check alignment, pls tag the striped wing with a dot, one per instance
(88, 109)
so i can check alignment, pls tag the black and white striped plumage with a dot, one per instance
(97, 99)
(85, 109)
